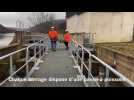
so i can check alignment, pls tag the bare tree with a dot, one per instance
(40, 17)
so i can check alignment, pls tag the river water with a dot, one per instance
(6, 39)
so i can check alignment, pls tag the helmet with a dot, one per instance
(52, 27)
(66, 30)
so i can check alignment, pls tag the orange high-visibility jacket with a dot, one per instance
(52, 34)
(67, 37)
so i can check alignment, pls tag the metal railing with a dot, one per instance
(37, 55)
(89, 67)
(32, 38)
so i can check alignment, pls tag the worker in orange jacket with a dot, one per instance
(67, 39)
(53, 35)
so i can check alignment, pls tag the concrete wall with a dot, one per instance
(72, 24)
(107, 26)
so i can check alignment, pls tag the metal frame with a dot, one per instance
(88, 68)
(41, 47)
(44, 45)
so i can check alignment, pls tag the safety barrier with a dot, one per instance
(42, 49)
(88, 68)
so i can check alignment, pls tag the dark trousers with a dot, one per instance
(67, 45)
(53, 44)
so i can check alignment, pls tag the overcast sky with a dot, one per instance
(10, 18)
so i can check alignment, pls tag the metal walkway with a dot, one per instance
(56, 69)
(57, 65)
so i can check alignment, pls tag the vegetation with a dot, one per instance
(37, 18)
(41, 22)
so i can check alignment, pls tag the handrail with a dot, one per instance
(28, 59)
(12, 53)
(108, 67)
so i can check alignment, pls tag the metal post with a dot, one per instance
(47, 48)
(90, 65)
(77, 56)
(44, 49)
(35, 53)
(40, 49)
(27, 57)
(11, 65)
(82, 60)
(107, 76)
(77, 53)
(46, 45)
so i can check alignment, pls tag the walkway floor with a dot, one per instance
(56, 65)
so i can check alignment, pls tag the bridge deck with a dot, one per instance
(57, 65)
